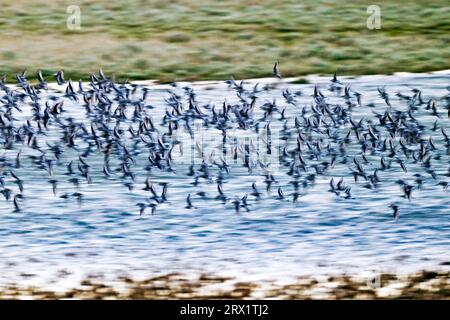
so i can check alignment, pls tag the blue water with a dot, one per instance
(321, 233)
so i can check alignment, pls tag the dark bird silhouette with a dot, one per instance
(276, 71)
(396, 213)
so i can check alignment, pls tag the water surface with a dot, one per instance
(320, 234)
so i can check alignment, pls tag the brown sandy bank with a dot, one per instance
(423, 285)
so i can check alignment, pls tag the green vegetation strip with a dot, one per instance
(212, 40)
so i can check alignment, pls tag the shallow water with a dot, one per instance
(320, 234)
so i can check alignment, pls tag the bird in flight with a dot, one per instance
(276, 71)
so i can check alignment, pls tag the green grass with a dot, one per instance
(179, 40)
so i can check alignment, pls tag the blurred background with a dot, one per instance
(83, 251)
(192, 40)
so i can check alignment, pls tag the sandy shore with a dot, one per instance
(423, 285)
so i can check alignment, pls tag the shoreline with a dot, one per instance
(303, 78)
(308, 79)
(426, 284)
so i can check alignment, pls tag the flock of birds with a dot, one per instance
(120, 127)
